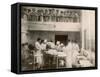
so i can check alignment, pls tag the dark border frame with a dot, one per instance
(16, 22)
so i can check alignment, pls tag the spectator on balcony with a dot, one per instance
(33, 15)
(57, 16)
(40, 15)
(75, 18)
(50, 15)
(29, 11)
(45, 15)
(24, 14)
(53, 15)
(61, 16)
(66, 17)
(70, 16)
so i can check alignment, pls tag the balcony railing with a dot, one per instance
(51, 14)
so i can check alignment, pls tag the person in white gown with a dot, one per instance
(38, 54)
(62, 55)
(43, 49)
(75, 52)
(58, 46)
(43, 44)
(68, 51)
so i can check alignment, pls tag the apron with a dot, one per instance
(39, 57)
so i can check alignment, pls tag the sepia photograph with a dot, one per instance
(56, 38)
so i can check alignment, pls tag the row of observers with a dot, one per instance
(51, 15)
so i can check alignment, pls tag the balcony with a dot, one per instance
(53, 26)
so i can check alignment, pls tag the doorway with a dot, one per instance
(62, 38)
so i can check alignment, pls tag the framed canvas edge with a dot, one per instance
(18, 60)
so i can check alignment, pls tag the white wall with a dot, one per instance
(54, 26)
(5, 41)
(88, 28)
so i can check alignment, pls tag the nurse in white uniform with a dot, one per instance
(75, 52)
(38, 54)
(69, 55)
